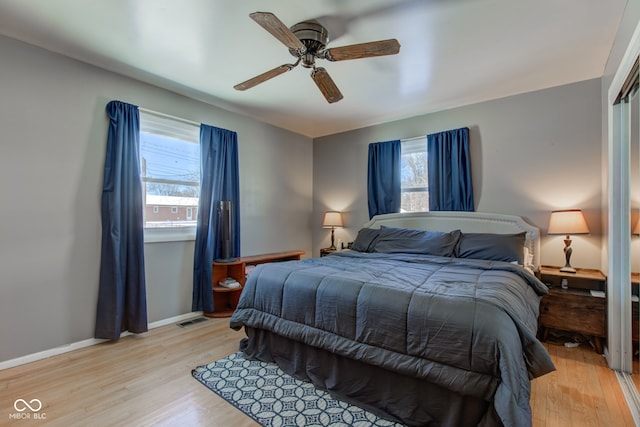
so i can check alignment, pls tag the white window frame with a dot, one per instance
(414, 145)
(175, 127)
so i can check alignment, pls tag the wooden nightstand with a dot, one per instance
(574, 309)
(327, 251)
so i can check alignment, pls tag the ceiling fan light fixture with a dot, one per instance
(308, 60)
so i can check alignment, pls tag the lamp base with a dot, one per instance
(567, 257)
(333, 246)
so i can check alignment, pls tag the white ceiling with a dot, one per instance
(454, 52)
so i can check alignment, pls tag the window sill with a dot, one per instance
(159, 235)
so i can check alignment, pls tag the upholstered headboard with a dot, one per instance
(467, 222)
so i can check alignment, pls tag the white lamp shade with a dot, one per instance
(570, 221)
(332, 219)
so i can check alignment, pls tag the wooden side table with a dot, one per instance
(327, 251)
(225, 300)
(583, 278)
(575, 309)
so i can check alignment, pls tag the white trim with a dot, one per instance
(421, 138)
(169, 234)
(619, 291)
(175, 319)
(169, 116)
(417, 144)
(11, 363)
(152, 122)
(631, 395)
(619, 240)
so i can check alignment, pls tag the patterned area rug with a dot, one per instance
(273, 398)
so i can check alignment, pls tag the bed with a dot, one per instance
(431, 320)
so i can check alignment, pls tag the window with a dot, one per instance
(170, 172)
(414, 182)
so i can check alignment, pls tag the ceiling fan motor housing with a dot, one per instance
(314, 37)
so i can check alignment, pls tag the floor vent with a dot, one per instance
(191, 322)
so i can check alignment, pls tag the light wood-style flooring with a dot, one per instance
(146, 380)
(582, 391)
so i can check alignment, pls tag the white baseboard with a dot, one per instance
(175, 319)
(86, 343)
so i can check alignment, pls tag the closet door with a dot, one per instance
(628, 112)
(633, 99)
(624, 197)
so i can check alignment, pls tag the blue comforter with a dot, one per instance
(467, 325)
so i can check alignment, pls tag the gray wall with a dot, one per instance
(531, 153)
(51, 164)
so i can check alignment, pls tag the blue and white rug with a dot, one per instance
(273, 398)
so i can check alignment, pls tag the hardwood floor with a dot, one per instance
(582, 391)
(146, 380)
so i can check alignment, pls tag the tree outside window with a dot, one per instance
(414, 183)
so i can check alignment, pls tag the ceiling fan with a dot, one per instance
(307, 41)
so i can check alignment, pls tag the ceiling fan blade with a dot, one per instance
(265, 76)
(271, 23)
(362, 50)
(326, 85)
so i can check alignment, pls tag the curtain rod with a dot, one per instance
(168, 116)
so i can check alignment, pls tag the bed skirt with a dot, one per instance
(390, 395)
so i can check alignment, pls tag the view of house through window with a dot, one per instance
(414, 184)
(170, 171)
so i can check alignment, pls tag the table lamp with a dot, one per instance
(567, 222)
(332, 220)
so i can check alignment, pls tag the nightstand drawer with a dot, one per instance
(570, 311)
(327, 251)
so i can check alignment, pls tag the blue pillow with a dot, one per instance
(406, 240)
(365, 240)
(495, 247)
